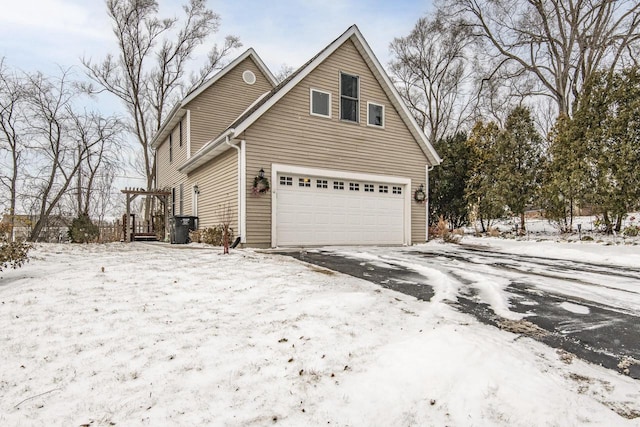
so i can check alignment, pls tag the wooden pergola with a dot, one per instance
(131, 194)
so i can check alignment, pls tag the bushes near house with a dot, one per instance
(211, 236)
(441, 231)
(82, 230)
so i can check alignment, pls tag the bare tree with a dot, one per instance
(12, 100)
(97, 136)
(430, 67)
(61, 139)
(148, 72)
(284, 72)
(560, 43)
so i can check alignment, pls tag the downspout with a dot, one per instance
(428, 168)
(227, 141)
(242, 189)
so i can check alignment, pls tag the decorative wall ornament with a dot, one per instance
(420, 196)
(260, 184)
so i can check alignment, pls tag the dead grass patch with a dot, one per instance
(522, 327)
(322, 270)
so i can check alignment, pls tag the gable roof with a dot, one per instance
(214, 147)
(179, 111)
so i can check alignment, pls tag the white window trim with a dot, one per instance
(384, 119)
(311, 90)
(277, 169)
(340, 98)
(249, 77)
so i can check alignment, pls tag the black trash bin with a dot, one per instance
(180, 227)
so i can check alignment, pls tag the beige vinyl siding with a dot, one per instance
(218, 184)
(168, 175)
(222, 103)
(288, 134)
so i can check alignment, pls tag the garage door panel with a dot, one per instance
(328, 216)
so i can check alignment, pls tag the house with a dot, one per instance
(55, 229)
(344, 162)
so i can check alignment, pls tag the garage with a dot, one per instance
(340, 209)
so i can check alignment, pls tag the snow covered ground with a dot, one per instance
(145, 334)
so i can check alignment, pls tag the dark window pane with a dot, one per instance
(349, 109)
(375, 115)
(320, 103)
(349, 86)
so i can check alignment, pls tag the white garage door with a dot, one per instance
(335, 211)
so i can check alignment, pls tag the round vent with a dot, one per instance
(248, 77)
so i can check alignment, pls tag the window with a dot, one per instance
(173, 200)
(171, 147)
(375, 114)
(304, 182)
(181, 199)
(249, 77)
(369, 188)
(180, 133)
(320, 103)
(338, 185)
(349, 94)
(383, 188)
(286, 180)
(397, 190)
(322, 183)
(354, 186)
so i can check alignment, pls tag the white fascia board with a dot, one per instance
(210, 150)
(263, 67)
(172, 120)
(293, 82)
(233, 64)
(434, 158)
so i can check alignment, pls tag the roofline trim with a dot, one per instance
(160, 135)
(200, 157)
(352, 31)
(293, 82)
(248, 53)
(395, 94)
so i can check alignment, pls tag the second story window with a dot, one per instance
(320, 103)
(349, 97)
(171, 147)
(180, 134)
(375, 114)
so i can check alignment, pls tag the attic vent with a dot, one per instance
(248, 77)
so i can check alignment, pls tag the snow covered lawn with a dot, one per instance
(144, 334)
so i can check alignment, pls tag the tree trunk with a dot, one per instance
(618, 223)
(523, 230)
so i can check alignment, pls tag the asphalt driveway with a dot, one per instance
(585, 309)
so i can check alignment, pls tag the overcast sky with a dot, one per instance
(44, 34)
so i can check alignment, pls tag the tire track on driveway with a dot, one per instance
(586, 309)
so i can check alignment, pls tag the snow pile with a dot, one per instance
(144, 334)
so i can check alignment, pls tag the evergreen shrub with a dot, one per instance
(82, 230)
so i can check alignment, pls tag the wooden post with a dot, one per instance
(127, 238)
